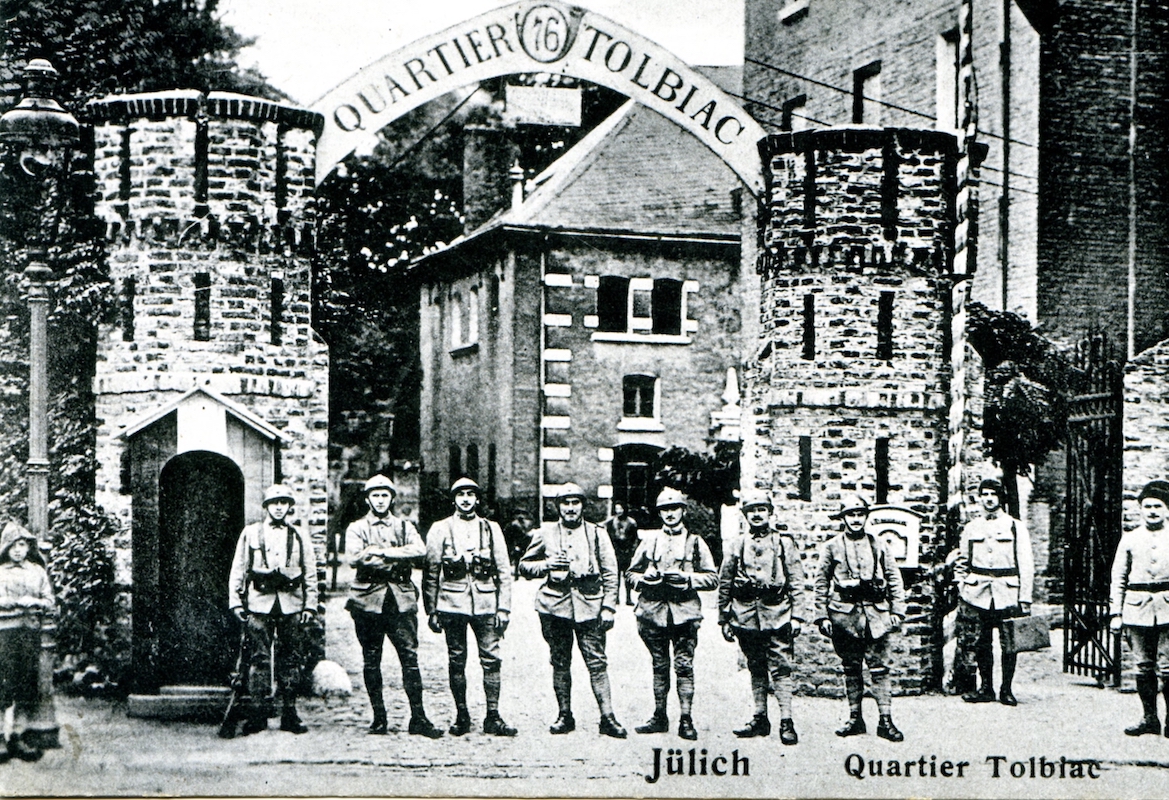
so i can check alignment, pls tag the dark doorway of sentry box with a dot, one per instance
(200, 515)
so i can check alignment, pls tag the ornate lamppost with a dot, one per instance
(41, 133)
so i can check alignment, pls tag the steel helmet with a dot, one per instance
(465, 483)
(278, 491)
(754, 497)
(670, 497)
(852, 502)
(381, 482)
(570, 490)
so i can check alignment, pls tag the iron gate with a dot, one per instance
(1093, 512)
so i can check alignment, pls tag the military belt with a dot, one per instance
(1159, 586)
(995, 572)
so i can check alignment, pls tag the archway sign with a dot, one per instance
(537, 36)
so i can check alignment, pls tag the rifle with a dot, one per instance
(238, 686)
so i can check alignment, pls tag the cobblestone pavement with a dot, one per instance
(105, 753)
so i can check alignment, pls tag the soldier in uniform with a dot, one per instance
(669, 568)
(1140, 602)
(995, 571)
(761, 603)
(578, 598)
(468, 584)
(622, 530)
(860, 600)
(383, 601)
(272, 590)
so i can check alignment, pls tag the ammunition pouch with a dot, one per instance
(483, 569)
(383, 573)
(861, 591)
(273, 582)
(587, 584)
(454, 570)
(749, 591)
(666, 592)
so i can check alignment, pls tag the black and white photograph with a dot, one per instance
(639, 398)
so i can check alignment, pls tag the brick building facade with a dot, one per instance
(212, 383)
(850, 388)
(588, 326)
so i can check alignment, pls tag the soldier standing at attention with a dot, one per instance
(669, 568)
(860, 600)
(383, 601)
(1140, 602)
(761, 603)
(578, 598)
(468, 584)
(623, 534)
(272, 590)
(995, 571)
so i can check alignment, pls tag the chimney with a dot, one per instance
(516, 175)
(488, 153)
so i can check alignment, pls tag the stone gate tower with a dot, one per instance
(212, 383)
(850, 388)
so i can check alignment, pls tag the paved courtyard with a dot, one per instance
(106, 753)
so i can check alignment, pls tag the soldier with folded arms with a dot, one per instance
(1140, 602)
(670, 567)
(860, 601)
(467, 584)
(383, 601)
(761, 603)
(272, 590)
(577, 599)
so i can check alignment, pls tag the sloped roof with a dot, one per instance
(235, 409)
(635, 173)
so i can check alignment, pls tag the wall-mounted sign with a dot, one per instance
(900, 528)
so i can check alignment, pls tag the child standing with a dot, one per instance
(26, 597)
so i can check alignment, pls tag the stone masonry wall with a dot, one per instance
(852, 214)
(218, 184)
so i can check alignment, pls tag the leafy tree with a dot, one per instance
(1027, 386)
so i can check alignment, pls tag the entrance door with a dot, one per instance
(633, 484)
(200, 515)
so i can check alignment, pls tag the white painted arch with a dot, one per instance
(537, 36)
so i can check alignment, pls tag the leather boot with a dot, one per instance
(494, 725)
(565, 723)
(759, 725)
(380, 724)
(787, 731)
(658, 723)
(686, 728)
(1006, 696)
(985, 694)
(854, 727)
(1150, 723)
(19, 748)
(421, 726)
(462, 723)
(611, 727)
(887, 730)
(290, 721)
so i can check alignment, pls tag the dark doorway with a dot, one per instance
(200, 515)
(633, 480)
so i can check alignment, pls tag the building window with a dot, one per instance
(866, 94)
(491, 472)
(640, 395)
(666, 306)
(633, 485)
(881, 471)
(805, 484)
(948, 97)
(454, 464)
(809, 343)
(473, 462)
(129, 291)
(493, 295)
(202, 306)
(793, 118)
(472, 316)
(885, 326)
(640, 305)
(276, 311)
(613, 304)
